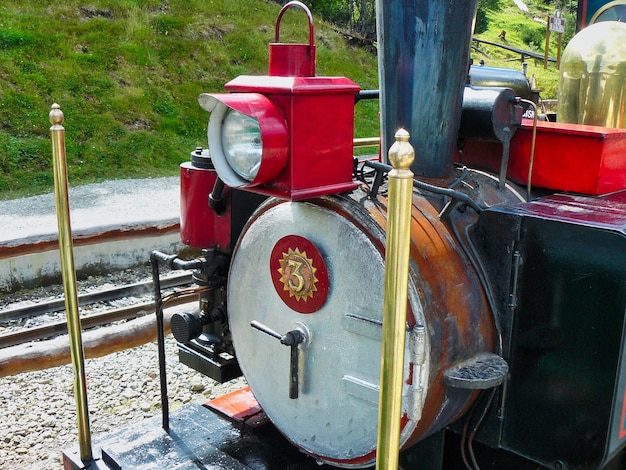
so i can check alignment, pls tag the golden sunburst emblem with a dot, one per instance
(298, 274)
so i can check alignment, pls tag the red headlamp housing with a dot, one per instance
(288, 134)
(248, 138)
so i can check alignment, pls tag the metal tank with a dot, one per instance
(593, 77)
(495, 77)
(315, 270)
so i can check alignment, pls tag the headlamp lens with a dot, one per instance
(242, 144)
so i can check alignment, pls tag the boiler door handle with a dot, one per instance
(292, 339)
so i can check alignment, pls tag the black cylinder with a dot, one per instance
(423, 58)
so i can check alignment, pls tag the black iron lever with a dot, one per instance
(292, 339)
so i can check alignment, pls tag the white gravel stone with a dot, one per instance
(37, 409)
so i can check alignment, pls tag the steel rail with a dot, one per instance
(90, 321)
(57, 305)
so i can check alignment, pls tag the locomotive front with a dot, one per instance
(304, 293)
(293, 231)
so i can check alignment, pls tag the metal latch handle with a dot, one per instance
(292, 339)
(282, 12)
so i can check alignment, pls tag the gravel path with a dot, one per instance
(38, 413)
(38, 410)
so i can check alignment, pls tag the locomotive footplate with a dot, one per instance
(198, 438)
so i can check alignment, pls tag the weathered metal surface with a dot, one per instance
(198, 438)
(423, 55)
(566, 301)
(339, 370)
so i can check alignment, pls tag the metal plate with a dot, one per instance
(335, 416)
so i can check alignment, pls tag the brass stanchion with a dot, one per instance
(401, 156)
(57, 133)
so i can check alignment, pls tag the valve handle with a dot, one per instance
(292, 339)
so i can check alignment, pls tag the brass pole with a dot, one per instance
(57, 133)
(401, 155)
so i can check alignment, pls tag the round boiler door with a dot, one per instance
(306, 267)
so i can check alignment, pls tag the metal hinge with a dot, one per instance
(415, 399)
(517, 262)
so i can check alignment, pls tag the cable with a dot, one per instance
(432, 188)
(470, 440)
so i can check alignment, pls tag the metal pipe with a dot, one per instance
(462, 197)
(365, 141)
(57, 134)
(401, 156)
(423, 57)
(155, 256)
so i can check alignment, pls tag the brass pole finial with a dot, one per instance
(401, 155)
(56, 115)
(57, 134)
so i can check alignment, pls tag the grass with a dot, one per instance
(127, 74)
(523, 31)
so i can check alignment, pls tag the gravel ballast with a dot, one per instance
(38, 411)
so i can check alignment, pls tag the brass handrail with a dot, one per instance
(365, 141)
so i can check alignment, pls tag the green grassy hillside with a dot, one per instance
(526, 31)
(127, 74)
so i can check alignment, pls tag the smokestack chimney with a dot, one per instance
(423, 55)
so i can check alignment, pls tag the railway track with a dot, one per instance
(105, 295)
(111, 315)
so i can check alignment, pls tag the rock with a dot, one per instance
(197, 387)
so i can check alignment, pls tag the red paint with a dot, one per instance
(200, 227)
(274, 133)
(568, 157)
(622, 428)
(320, 118)
(311, 270)
(239, 406)
(292, 59)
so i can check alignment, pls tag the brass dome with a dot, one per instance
(592, 85)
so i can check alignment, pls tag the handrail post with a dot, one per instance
(57, 133)
(401, 155)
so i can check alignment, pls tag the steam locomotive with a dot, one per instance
(514, 353)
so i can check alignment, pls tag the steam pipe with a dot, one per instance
(216, 198)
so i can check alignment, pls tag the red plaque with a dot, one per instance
(299, 274)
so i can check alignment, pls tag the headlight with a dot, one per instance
(242, 144)
(248, 139)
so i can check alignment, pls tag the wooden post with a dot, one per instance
(558, 52)
(545, 54)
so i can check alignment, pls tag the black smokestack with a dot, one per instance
(423, 54)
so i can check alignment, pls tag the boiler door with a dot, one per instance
(318, 269)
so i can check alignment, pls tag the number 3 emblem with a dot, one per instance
(299, 274)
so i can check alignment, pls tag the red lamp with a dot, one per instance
(287, 134)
